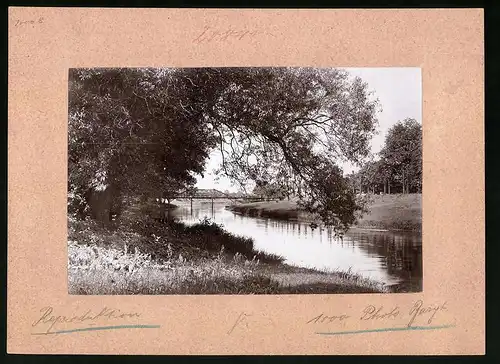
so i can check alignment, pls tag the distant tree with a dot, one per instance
(269, 190)
(402, 154)
(368, 176)
(352, 180)
(384, 176)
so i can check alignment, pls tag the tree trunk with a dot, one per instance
(403, 181)
(101, 204)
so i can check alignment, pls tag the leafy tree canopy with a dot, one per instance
(402, 153)
(147, 130)
(400, 163)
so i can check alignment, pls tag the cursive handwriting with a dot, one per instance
(373, 313)
(210, 34)
(379, 314)
(420, 309)
(51, 320)
(19, 22)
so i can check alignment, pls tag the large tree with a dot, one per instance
(288, 127)
(128, 135)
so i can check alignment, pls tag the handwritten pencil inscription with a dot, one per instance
(210, 34)
(23, 22)
(240, 321)
(413, 317)
(428, 311)
(49, 322)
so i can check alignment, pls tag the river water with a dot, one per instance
(393, 258)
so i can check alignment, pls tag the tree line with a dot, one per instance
(399, 167)
(141, 133)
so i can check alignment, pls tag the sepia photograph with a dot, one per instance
(248, 180)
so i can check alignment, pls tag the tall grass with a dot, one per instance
(96, 270)
(107, 271)
(173, 258)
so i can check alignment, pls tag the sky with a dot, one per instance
(399, 91)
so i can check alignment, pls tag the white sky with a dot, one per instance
(399, 91)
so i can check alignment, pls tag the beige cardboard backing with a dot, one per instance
(447, 44)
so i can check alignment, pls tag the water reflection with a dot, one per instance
(389, 257)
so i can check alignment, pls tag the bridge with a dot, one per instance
(210, 194)
(191, 197)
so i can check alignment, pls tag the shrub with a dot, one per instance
(210, 236)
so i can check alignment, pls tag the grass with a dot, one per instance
(149, 257)
(388, 212)
(94, 270)
(394, 212)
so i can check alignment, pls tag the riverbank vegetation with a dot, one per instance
(387, 212)
(173, 258)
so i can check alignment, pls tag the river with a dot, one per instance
(393, 258)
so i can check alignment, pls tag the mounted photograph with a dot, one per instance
(248, 180)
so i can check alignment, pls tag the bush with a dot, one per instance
(210, 236)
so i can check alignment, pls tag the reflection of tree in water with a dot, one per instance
(401, 254)
(266, 225)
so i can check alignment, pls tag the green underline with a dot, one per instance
(411, 328)
(99, 328)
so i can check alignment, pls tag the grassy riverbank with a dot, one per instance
(389, 212)
(394, 212)
(148, 257)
